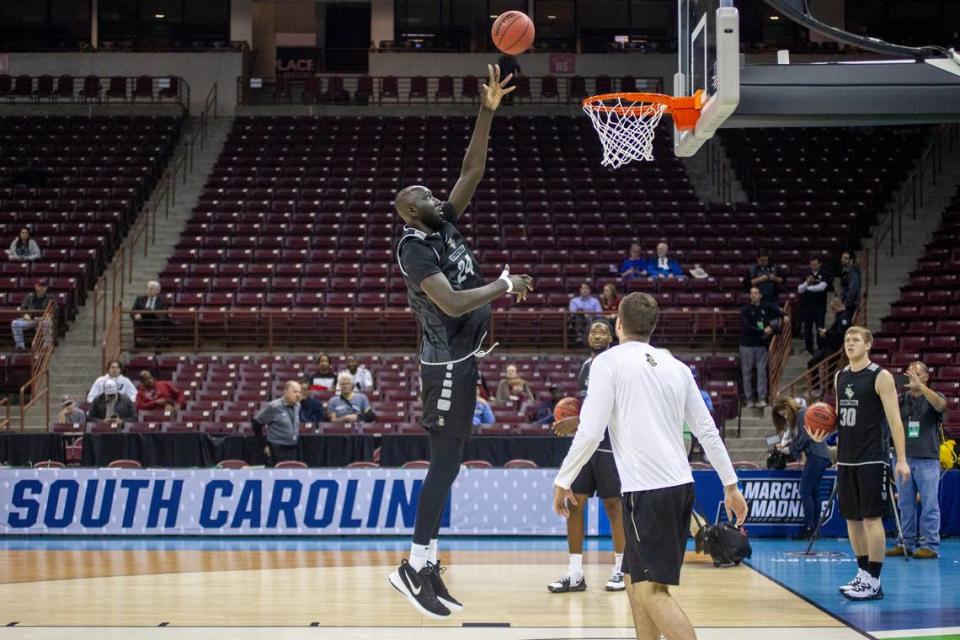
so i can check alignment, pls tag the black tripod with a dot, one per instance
(828, 510)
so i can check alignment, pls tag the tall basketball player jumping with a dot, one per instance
(866, 393)
(452, 304)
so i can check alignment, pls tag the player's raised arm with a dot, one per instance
(475, 160)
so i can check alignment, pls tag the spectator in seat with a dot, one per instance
(813, 303)
(158, 395)
(794, 442)
(756, 329)
(324, 378)
(513, 389)
(362, 378)
(149, 324)
(114, 374)
(32, 307)
(610, 301)
(585, 309)
(281, 420)
(311, 408)
(662, 266)
(482, 413)
(348, 405)
(483, 389)
(764, 277)
(850, 282)
(830, 340)
(24, 248)
(922, 411)
(635, 266)
(70, 413)
(545, 410)
(112, 406)
(30, 176)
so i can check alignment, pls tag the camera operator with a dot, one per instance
(922, 411)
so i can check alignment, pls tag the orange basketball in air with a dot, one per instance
(820, 418)
(566, 408)
(512, 32)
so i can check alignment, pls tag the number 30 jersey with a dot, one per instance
(862, 434)
(445, 339)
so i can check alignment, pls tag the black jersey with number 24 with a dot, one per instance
(421, 255)
(861, 418)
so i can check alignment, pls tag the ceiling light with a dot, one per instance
(774, 18)
(551, 17)
(159, 16)
(493, 15)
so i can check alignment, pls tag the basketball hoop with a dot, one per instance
(627, 122)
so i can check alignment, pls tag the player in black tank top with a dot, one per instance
(860, 417)
(866, 398)
(452, 303)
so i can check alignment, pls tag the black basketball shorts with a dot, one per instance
(449, 396)
(657, 524)
(862, 490)
(599, 476)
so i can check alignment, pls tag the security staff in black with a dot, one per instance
(813, 303)
(599, 476)
(452, 305)
(866, 402)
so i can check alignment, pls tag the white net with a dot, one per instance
(626, 129)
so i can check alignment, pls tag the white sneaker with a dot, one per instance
(761, 405)
(615, 583)
(750, 405)
(568, 584)
(868, 589)
(853, 584)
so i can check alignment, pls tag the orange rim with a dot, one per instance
(684, 109)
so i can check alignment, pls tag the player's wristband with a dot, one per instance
(506, 278)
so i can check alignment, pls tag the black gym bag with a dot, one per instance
(726, 543)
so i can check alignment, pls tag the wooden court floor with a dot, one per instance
(236, 591)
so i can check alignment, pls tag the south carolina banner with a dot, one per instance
(269, 502)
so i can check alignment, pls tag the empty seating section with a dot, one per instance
(819, 185)
(299, 212)
(924, 324)
(224, 392)
(88, 180)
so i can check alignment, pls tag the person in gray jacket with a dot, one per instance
(280, 420)
(24, 248)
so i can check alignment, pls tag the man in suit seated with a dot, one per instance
(147, 326)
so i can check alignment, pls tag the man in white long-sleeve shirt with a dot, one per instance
(644, 395)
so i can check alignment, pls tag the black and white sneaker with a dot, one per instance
(853, 584)
(566, 585)
(868, 589)
(417, 588)
(440, 589)
(615, 583)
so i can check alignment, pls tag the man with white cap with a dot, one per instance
(112, 406)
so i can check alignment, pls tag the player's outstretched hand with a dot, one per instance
(522, 285)
(562, 499)
(566, 426)
(736, 505)
(495, 88)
